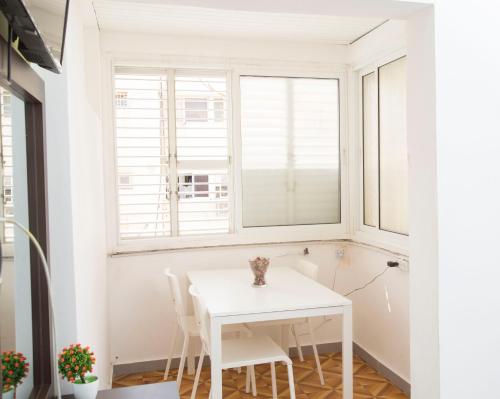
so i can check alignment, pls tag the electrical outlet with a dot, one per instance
(339, 253)
(404, 265)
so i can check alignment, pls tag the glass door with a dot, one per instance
(16, 333)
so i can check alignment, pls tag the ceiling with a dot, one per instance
(162, 17)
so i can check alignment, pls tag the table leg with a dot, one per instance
(216, 358)
(347, 378)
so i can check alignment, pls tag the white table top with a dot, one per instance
(229, 292)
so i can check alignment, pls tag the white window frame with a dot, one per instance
(361, 232)
(237, 235)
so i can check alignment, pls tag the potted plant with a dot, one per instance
(14, 370)
(75, 364)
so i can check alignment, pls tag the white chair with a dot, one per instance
(188, 325)
(240, 352)
(310, 270)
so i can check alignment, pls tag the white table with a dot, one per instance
(230, 299)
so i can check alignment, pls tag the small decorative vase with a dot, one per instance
(259, 268)
(87, 390)
(8, 394)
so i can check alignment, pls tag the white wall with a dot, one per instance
(423, 206)
(75, 191)
(158, 48)
(468, 167)
(138, 293)
(381, 311)
(87, 190)
(140, 301)
(381, 42)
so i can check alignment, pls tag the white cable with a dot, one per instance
(51, 302)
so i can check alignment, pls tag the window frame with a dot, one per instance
(237, 234)
(361, 232)
(244, 228)
(170, 74)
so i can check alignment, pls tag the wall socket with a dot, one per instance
(339, 253)
(404, 265)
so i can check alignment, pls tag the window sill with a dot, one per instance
(247, 237)
(391, 242)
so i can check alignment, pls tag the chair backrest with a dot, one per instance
(308, 269)
(175, 291)
(202, 317)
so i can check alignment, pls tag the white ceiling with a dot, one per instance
(155, 16)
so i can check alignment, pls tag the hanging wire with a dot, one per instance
(368, 283)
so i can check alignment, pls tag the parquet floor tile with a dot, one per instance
(367, 383)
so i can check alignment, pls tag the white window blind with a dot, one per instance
(290, 151)
(202, 152)
(172, 160)
(7, 186)
(393, 148)
(385, 159)
(142, 153)
(370, 150)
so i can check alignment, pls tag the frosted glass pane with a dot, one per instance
(290, 151)
(393, 148)
(370, 150)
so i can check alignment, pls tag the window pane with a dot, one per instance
(370, 150)
(393, 148)
(142, 155)
(6, 166)
(202, 151)
(290, 151)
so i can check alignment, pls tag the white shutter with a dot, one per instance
(202, 152)
(171, 127)
(290, 151)
(393, 147)
(141, 126)
(7, 183)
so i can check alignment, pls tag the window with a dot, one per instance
(385, 159)
(196, 110)
(290, 151)
(6, 181)
(170, 154)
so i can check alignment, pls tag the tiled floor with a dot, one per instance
(367, 383)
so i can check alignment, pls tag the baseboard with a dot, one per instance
(395, 379)
(382, 369)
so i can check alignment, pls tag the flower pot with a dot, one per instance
(8, 394)
(87, 390)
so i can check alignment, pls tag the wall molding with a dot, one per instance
(334, 347)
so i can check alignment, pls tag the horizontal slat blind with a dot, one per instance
(393, 151)
(194, 157)
(290, 150)
(7, 166)
(141, 125)
(202, 152)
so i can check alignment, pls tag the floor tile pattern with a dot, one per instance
(367, 383)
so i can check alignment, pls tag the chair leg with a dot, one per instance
(273, 381)
(171, 353)
(247, 383)
(290, 380)
(198, 372)
(254, 383)
(315, 350)
(297, 344)
(191, 367)
(183, 359)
